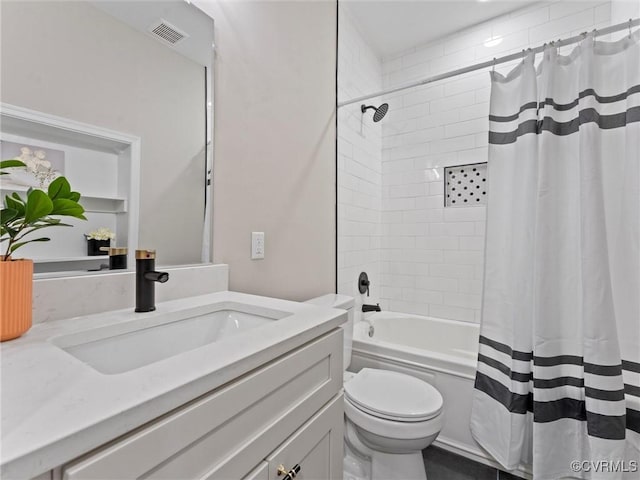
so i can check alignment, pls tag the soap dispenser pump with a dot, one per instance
(146, 278)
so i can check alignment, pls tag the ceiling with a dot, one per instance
(391, 26)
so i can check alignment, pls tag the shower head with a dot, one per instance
(380, 112)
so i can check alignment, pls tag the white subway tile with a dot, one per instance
(399, 281)
(392, 65)
(392, 241)
(421, 295)
(422, 94)
(554, 29)
(436, 188)
(409, 307)
(452, 102)
(388, 292)
(411, 190)
(397, 127)
(430, 202)
(602, 13)
(453, 144)
(463, 257)
(480, 125)
(423, 256)
(422, 216)
(414, 110)
(459, 229)
(438, 243)
(398, 204)
(474, 155)
(521, 20)
(454, 60)
(403, 152)
(452, 271)
(466, 83)
(391, 217)
(452, 313)
(470, 285)
(439, 118)
(423, 54)
(398, 159)
(463, 300)
(465, 214)
(563, 9)
(482, 140)
(483, 95)
(468, 39)
(472, 243)
(437, 284)
(478, 110)
(510, 43)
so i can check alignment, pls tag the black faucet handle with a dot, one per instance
(363, 283)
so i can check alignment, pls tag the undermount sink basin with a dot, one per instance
(156, 336)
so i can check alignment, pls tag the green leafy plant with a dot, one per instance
(20, 216)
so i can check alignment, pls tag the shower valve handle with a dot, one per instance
(363, 283)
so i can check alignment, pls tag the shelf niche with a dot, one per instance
(109, 184)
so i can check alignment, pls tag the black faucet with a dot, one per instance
(146, 276)
(371, 308)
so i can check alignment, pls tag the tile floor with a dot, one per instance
(443, 465)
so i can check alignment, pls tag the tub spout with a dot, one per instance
(371, 308)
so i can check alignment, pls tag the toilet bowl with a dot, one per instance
(390, 417)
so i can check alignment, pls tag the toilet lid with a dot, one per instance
(393, 395)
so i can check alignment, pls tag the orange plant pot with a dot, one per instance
(16, 293)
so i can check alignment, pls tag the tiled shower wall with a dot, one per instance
(430, 258)
(359, 163)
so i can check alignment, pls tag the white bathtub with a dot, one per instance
(441, 352)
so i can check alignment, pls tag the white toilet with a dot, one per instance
(390, 417)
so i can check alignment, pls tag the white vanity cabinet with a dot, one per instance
(287, 412)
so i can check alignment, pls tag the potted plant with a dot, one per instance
(20, 217)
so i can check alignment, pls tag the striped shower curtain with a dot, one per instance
(558, 380)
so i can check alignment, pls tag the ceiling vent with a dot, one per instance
(166, 32)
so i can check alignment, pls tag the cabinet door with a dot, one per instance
(316, 447)
(261, 472)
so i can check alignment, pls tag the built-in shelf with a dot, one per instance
(91, 203)
(96, 160)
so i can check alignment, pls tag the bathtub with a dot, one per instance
(441, 352)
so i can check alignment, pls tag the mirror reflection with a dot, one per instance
(115, 96)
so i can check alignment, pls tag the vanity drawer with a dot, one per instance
(225, 434)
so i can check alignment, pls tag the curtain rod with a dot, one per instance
(496, 61)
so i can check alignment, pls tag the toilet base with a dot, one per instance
(364, 463)
(385, 466)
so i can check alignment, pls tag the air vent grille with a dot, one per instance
(166, 32)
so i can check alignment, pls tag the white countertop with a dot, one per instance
(55, 407)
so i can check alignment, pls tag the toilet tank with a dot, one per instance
(336, 300)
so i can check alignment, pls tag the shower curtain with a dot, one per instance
(558, 379)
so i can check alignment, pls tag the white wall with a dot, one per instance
(359, 165)
(274, 152)
(431, 256)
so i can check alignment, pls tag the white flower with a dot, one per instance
(103, 233)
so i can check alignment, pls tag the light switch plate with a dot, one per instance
(257, 245)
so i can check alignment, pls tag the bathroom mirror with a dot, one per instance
(141, 69)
